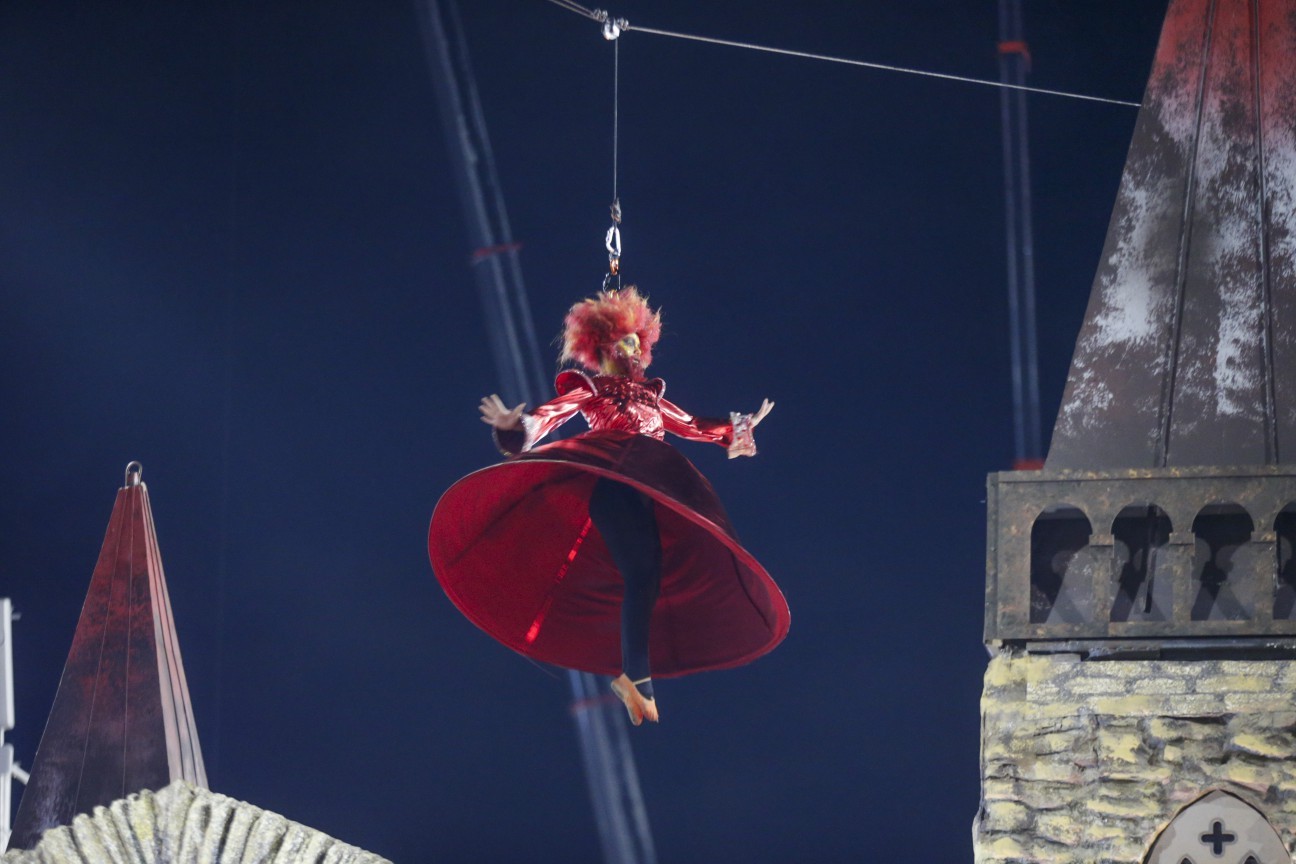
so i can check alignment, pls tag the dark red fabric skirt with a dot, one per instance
(514, 548)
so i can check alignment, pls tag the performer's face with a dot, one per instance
(623, 357)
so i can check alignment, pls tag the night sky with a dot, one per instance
(231, 248)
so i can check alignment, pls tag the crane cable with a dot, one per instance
(612, 240)
(620, 25)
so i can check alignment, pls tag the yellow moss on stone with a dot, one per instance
(1060, 827)
(1159, 685)
(1121, 747)
(998, 790)
(1119, 808)
(1268, 746)
(1256, 703)
(1055, 742)
(1096, 685)
(1192, 705)
(1141, 773)
(1129, 705)
(142, 819)
(1004, 671)
(1102, 832)
(1054, 772)
(997, 750)
(1004, 848)
(1236, 684)
(1282, 719)
(1180, 729)
(1255, 777)
(1005, 816)
(1038, 668)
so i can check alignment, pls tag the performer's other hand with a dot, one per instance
(495, 414)
(766, 407)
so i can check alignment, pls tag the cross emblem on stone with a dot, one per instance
(1233, 831)
(1217, 838)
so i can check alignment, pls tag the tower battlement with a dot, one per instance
(1091, 561)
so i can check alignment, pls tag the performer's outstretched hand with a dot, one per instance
(743, 444)
(495, 414)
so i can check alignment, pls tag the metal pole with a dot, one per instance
(1014, 62)
(6, 720)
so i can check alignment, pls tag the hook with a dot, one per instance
(613, 27)
(612, 242)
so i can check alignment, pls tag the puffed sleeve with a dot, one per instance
(734, 434)
(536, 424)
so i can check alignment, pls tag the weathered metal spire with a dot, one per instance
(1187, 356)
(121, 720)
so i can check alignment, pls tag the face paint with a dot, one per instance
(622, 357)
(628, 345)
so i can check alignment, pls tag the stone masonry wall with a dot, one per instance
(1084, 762)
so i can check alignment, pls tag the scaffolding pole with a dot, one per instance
(8, 769)
(1014, 64)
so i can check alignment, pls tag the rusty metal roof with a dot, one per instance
(121, 720)
(1187, 355)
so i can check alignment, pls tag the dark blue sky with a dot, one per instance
(230, 248)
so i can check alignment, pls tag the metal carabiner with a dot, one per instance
(612, 242)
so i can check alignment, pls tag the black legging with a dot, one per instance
(625, 518)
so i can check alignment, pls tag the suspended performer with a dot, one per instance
(607, 552)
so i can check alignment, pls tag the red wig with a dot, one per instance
(597, 322)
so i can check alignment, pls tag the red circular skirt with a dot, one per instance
(514, 548)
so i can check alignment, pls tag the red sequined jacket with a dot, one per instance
(621, 404)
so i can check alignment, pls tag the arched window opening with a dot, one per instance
(1060, 591)
(1140, 535)
(1221, 592)
(1285, 588)
(1218, 826)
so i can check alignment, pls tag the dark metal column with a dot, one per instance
(1014, 63)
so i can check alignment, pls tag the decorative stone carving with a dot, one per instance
(1219, 827)
(183, 824)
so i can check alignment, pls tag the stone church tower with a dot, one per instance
(1140, 703)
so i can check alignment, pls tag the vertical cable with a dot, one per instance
(532, 382)
(616, 106)
(606, 771)
(1010, 234)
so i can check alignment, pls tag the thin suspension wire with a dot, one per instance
(592, 14)
(602, 17)
(883, 66)
(616, 108)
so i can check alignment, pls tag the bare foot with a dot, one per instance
(636, 705)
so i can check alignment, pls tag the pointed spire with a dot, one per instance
(121, 720)
(1187, 355)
